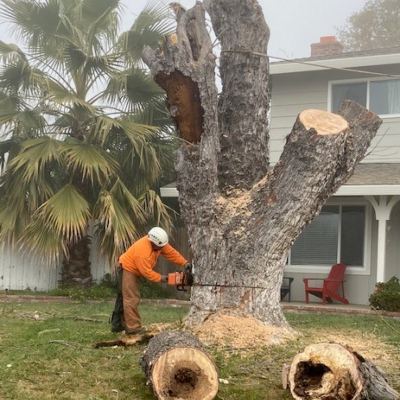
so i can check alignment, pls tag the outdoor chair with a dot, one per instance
(286, 286)
(330, 286)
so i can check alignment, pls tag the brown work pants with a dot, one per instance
(131, 299)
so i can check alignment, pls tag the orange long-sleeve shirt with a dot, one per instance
(140, 259)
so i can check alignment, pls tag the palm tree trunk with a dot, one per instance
(76, 267)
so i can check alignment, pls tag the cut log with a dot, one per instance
(176, 365)
(331, 371)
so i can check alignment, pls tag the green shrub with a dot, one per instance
(107, 289)
(94, 292)
(386, 295)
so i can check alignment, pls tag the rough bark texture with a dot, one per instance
(242, 219)
(333, 372)
(177, 366)
(76, 268)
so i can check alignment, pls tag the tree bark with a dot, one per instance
(177, 366)
(241, 217)
(332, 371)
(76, 266)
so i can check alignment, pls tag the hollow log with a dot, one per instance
(331, 371)
(176, 365)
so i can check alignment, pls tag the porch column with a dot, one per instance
(383, 209)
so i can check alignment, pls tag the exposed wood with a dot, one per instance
(127, 341)
(332, 371)
(177, 366)
(285, 376)
(324, 123)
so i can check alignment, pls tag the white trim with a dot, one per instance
(300, 269)
(345, 190)
(169, 192)
(288, 67)
(367, 190)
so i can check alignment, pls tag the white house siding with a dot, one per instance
(21, 272)
(293, 93)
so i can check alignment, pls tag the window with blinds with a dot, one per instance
(381, 96)
(336, 235)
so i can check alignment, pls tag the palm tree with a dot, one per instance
(84, 132)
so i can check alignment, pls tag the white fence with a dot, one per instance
(21, 272)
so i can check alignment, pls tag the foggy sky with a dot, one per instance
(294, 24)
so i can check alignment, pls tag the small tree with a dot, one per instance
(377, 25)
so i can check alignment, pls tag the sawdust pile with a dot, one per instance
(240, 333)
(366, 344)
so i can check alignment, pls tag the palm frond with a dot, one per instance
(133, 90)
(101, 19)
(137, 134)
(62, 95)
(66, 213)
(35, 154)
(152, 24)
(120, 219)
(91, 162)
(156, 211)
(13, 218)
(44, 241)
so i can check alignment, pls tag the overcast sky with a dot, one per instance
(294, 24)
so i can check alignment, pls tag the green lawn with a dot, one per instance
(46, 352)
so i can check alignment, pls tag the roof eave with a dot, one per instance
(293, 66)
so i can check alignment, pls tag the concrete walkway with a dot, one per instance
(292, 306)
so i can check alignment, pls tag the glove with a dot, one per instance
(164, 278)
(187, 267)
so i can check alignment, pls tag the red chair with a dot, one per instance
(330, 288)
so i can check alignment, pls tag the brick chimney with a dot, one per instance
(327, 46)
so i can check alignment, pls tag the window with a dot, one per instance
(336, 235)
(380, 96)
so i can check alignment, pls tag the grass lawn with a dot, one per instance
(46, 353)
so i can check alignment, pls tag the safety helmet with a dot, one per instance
(158, 236)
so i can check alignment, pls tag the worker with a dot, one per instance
(136, 263)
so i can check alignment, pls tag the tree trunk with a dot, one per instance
(331, 371)
(76, 267)
(177, 366)
(242, 219)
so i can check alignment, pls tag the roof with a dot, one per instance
(367, 180)
(372, 179)
(354, 59)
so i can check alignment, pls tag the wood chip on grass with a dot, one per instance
(240, 333)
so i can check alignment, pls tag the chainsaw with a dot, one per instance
(181, 279)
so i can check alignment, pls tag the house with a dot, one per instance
(360, 224)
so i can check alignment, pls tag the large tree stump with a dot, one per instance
(331, 371)
(177, 366)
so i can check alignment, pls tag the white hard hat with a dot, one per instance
(158, 236)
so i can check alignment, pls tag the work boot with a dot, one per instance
(136, 331)
(115, 321)
(116, 329)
